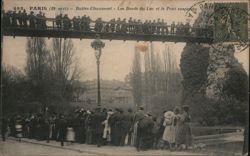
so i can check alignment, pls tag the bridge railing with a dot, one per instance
(52, 24)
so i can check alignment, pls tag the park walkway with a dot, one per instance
(110, 150)
(131, 151)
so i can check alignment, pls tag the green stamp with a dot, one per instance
(230, 22)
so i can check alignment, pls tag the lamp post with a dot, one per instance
(97, 45)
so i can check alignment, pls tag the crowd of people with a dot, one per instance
(85, 23)
(105, 127)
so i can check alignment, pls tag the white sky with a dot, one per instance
(117, 56)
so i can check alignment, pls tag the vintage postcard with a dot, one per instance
(124, 77)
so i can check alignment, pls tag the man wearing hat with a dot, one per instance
(89, 126)
(98, 118)
(32, 20)
(14, 19)
(62, 129)
(139, 115)
(115, 124)
(80, 125)
(127, 125)
(145, 127)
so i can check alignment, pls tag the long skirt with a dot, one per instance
(169, 134)
(106, 132)
(134, 135)
(50, 131)
(70, 134)
(183, 135)
(19, 131)
(146, 141)
(89, 135)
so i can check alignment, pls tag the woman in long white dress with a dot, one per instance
(70, 137)
(107, 129)
(70, 134)
(169, 131)
(19, 128)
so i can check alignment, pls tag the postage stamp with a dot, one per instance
(230, 22)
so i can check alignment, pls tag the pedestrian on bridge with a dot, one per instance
(39, 20)
(118, 25)
(83, 23)
(14, 19)
(164, 27)
(130, 25)
(6, 18)
(75, 23)
(78, 23)
(112, 25)
(32, 20)
(24, 18)
(98, 25)
(124, 26)
(106, 27)
(145, 27)
(59, 21)
(66, 22)
(172, 28)
(19, 19)
(43, 21)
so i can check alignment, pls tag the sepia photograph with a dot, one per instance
(124, 78)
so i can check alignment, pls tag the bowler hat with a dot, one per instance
(185, 106)
(149, 114)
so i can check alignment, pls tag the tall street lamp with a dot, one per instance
(97, 44)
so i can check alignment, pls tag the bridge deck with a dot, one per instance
(59, 33)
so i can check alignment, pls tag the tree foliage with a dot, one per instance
(193, 64)
(229, 108)
(37, 69)
(136, 78)
(50, 77)
(160, 83)
(14, 89)
(236, 84)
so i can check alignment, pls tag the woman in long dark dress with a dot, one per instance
(89, 127)
(183, 131)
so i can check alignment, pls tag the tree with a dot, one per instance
(234, 95)
(37, 69)
(236, 83)
(160, 83)
(136, 79)
(65, 68)
(231, 102)
(14, 90)
(194, 64)
(52, 72)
